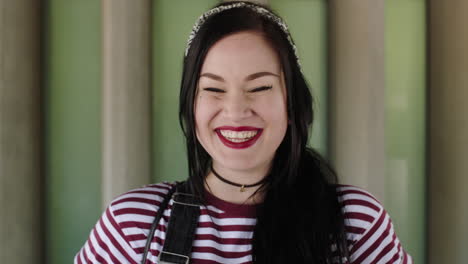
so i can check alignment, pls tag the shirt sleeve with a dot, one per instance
(370, 233)
(379, 244)
(106, 243)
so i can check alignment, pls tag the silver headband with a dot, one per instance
(258, 9)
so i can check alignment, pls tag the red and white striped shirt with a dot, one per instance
(225, 230)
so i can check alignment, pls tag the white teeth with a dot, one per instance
(236, 136)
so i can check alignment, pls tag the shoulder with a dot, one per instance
(369, 229)
(134, 212)
(121, 231)
(361, 210)
(141, 204)
(358, 203)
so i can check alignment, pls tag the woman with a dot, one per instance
(255, 192)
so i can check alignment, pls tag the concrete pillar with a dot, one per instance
(20, 171)
(448, 137)
(126, 96)
(356, 95)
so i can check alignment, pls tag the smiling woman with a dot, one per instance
(255, 192)
(241, 79)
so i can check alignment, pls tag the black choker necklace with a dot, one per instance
(241, 186)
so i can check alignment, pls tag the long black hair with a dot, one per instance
(300, 219)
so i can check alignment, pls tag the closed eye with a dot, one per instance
(216, 90)
(259, 89)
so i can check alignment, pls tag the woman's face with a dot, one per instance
(240, 107)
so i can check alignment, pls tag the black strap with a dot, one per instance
(181, 228)
(180, 232)
(158, 216)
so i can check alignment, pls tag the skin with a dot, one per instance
(235, 66)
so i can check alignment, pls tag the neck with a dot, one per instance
(232, 193)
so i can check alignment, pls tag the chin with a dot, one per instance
(243, 164)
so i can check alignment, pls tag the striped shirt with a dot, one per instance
(225, 230)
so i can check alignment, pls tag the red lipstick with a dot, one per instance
(239, 145)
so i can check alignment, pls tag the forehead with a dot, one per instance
(241, 54)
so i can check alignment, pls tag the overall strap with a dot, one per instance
(181, 229)
(158, 216)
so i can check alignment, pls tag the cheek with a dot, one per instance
(278, 113)
(204, 111)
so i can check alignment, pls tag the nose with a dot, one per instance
(237, 107)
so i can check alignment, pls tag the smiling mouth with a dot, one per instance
(238, 138)
(241, 136)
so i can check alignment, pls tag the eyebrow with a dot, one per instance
(250, 77)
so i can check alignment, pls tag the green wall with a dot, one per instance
(307, 23)
(172, 23)
(405, 63)
(72, 129)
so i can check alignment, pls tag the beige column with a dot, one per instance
(356, 95)
(20, 182)
(126, 96)
(448, 135)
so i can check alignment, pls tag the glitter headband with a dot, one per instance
(256, 8)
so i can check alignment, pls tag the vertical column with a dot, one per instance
(448, 151)
(405, 121)
(20, 221)
(356, 96)
(126, 96)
